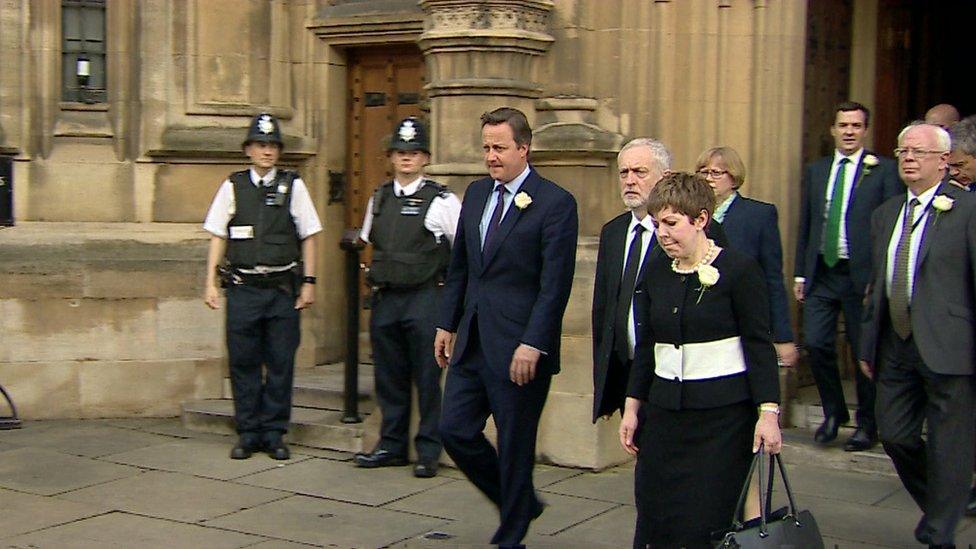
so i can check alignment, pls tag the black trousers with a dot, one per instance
(263, 328)
(471, 393)
(402, 327)
(936, 472)
(831, 293)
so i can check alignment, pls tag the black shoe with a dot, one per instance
(861, 440)
(276, 448)
(540, 506)
(379, 458)
(245, 447)
(425, 469)
(827, 431)
(971, 505)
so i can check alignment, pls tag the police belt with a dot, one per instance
(262, 280)
(433, 283)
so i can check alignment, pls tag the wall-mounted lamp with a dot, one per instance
(83, 73)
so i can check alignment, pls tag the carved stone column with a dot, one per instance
(480, 55)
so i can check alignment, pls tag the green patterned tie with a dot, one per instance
(831, 246)
(898, 302)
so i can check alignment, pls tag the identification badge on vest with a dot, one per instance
(241, 232)
(411, 206)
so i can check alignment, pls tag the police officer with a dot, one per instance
(263, 224)
(411, 222)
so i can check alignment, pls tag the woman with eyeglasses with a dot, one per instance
(751, 228)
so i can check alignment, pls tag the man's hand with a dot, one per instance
(798, 291)
(212, 297)
(306, 296)
(443, 347)
(524, 361)
(787, 354)
(866, 368)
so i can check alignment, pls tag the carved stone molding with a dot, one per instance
(565, 129)
(485, 48)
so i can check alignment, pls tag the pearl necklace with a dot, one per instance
(708, 258)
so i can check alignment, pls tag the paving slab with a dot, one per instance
(46, 472)
(21, 513)
(84, 438)
(614, 485)
(544, 475)
(442, 501)
(125, 530)
(281, 544)
(327, 522)
(175, 496)
(840, 485)
(853, 522)
(199, 458)
(342, 481)
(900, 499)
(612, 528)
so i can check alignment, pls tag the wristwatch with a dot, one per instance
(308, 279)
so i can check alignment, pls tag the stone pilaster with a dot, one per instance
(480, 56)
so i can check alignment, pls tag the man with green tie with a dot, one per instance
(833, 263)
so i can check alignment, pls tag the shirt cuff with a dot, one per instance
(540, 351)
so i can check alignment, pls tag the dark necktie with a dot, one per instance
(625, 297)
(898, 304)
(831, 247)
(496, 216)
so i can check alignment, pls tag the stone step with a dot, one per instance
(799, 447)
(314, 427)
(323, 387)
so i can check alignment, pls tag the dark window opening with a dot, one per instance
(83, 51)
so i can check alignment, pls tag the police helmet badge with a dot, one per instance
(409, 135)
(264, 128)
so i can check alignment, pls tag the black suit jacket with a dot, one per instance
(517, 289)
(872, 186)
(609, 396)
(943, 308)
(752, 228)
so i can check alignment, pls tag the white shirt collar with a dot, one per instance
(854, 158)
(646, 222)
(514, 185)
(408, 189)
(258, 180)
(925, 198)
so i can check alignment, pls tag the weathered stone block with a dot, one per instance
(42, 390)
(568, 437)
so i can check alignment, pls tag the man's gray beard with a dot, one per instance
(632, 203)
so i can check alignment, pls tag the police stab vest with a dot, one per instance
(264, 213)
(405, 253)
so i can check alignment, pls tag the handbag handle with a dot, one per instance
(765, 491)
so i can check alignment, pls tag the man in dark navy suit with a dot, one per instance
(833, 263)
(503, 302)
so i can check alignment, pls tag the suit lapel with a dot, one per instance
(819, 190)
(473, 222)
(615, 254)
(512, 216)
(931, 227)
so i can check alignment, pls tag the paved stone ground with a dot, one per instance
(150, 483)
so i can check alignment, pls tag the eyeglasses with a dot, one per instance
(917, 153)
(714, 174)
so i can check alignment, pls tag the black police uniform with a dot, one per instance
(408, 266)
(263, 326)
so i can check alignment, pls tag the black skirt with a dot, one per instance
(690, 470)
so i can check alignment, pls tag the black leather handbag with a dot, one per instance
(784, 528)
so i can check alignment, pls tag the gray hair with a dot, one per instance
(942, 138)
(660, 153)
(964, 135)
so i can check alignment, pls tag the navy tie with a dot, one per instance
(625, 298)
(496, 216)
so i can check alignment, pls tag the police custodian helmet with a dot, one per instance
(410, 135)
(264, 127)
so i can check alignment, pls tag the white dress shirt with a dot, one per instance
(223, 207)
(922, 211)
(645, 245)
(441, 219)
(513, 187)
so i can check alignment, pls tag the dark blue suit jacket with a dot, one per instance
(517, 289)
(752, 228)
(871, 187)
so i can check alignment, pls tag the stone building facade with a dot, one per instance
(148, 138)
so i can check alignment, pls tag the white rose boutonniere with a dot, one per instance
(522, 200)
(869, 161)
(708, 276)
(942, 204)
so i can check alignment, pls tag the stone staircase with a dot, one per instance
(317, 403)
